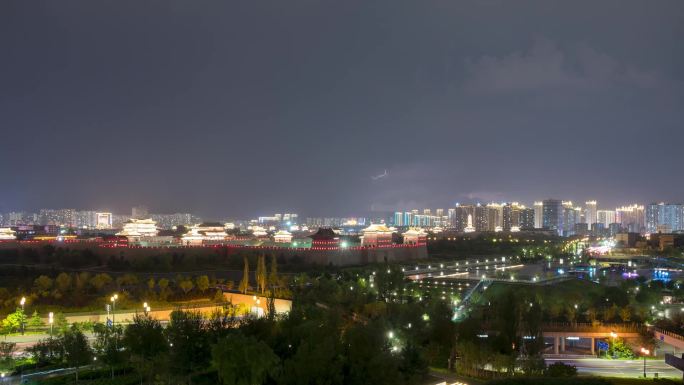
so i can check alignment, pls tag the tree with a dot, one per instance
(560, 369)
(63, 283)
(186, 285)
(7, 356)
(244, 283)
(108, 340)
(61, 323)
(144, 339)
(47, 351)
(77, 352)
(242, 360)
(261, 274)
(626, 314)
(150, 284)
(189, 346)
(273, 274)
(99, 281)
(316, 361)
(163, 284)
(42, 285)
(35, 321)
(202, 283)
(14, 321)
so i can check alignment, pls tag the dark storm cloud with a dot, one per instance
(244, 108)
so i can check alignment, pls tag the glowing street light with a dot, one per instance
(51, 320)
(645, 352)
(22, 302)
(113, 300)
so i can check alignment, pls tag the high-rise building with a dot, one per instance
(496, 216)
(481, 218)
(552, 215)
(538, 215)
(398, 219)
(606, 217)
(631, 218)
(61, 217)
(103, 221)
(408, 218)
(590, 210)
(571, 216)
(527, 218)
(664, 217)
(451, 218)
(460, 218)
(85, 219)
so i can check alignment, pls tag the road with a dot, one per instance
(25, 341)
(619, 368)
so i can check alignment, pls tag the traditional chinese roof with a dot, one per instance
(379, 228)
(211, 224)
(324, 234)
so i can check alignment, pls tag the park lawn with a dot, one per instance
(565, 289)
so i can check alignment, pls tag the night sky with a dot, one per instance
(245, 108)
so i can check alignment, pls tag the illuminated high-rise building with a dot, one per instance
(103, 221)
(664, 217)
(527, 218)
(451, 218)
(398, 219)
(538, 215)
(606, 217)
(495, 216)
(552, 215)
(631, 218)
(481, 218)
(571, 217)
(590, 210)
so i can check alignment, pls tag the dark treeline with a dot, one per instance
(341, 330)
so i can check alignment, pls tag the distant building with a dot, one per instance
(606, 217)
(282, 236)
(538, 215)
(398, 219)
(324, 238)
(552, 215)
(103, 221)
(376, 235)
(527, 218)
(414, 236)
(571, 216)
(670, 215)
(581, 229)
(137, 229)
(590, 212)
(7, 234)
(631, 218)
(60, 217)
(598, 229)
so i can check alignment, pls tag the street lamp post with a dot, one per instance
(613, 336)
(645, 352)
(23, 315)
(113, 299)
